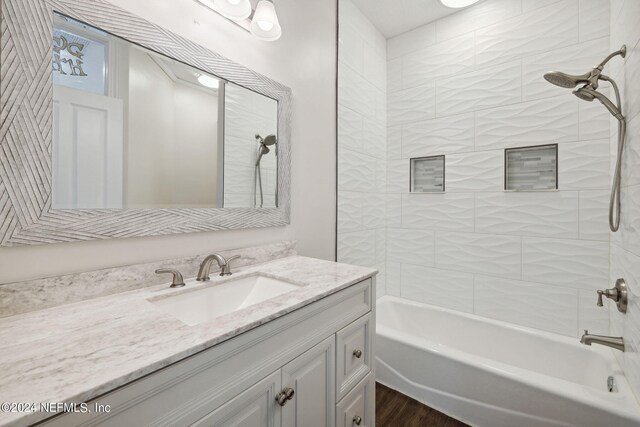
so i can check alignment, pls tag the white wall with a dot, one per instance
(625, 244)
(304, 60)
(362, 142)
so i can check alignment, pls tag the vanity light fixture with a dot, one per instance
(457, 4)
(262, 22)
(208, 81)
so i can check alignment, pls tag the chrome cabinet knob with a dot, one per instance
(357, 420)
(357, 353)
(284, 396)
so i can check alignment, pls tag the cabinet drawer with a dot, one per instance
(357, 409)
(353, 359)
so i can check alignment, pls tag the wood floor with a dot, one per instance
(394, 409)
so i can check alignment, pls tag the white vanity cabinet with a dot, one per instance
(309, 368)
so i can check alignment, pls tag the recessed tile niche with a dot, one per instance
(427, 174)
(531, 168)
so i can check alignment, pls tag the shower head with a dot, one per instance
(267, 140)
(587, 94)
(566, 80)
(589, 78)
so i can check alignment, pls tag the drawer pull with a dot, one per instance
(357, 420)
(357, 353)
(284, 396)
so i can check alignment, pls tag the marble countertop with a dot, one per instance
(76, 352)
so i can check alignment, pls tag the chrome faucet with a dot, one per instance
(225, 267)
(613, 342)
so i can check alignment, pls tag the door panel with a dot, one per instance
(312, 378)
(255, 407)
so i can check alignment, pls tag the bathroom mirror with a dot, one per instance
(115, 127)
(135, 129)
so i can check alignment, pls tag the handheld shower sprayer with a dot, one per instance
(263, 149)
(588, 92)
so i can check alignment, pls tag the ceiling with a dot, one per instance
(393, 17)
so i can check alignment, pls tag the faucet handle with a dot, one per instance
(177, 281)
(226, 268)
(600, 293)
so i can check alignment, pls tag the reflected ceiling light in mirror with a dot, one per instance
(208, 81)
(264, 24)
(457, 4)
(236, 10)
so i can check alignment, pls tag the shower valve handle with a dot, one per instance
(618, 294)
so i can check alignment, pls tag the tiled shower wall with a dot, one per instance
(361, 142)
(625, 244)
(468, 86)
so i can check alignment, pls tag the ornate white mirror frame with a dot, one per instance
(26, 216)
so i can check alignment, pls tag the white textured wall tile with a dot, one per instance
(590, 316)
(594, 22)
(489, 87)
(410, 246)
(594, 119)
(394, 75)
(398, 176)
(594, 215)
(553, 214)
(575, 59)
(479, 171)
(631, 156)
(532, 32)
(538, 122)
(375, 67)
(411, 41)
(349, 129)
(444, 211)
(438, 136)
(579, 263)
(357, 248)
(528, 5)
(394, 277)
(356, 171)
(630, 219)
(374, 210)
(583, 165)
(394, 142)
(381, 246)
(374, 135)
(479, 253)
(394, 210)
(349, 211)
(443, 59)
(444, 288)
(630, 82)
(381, 280)
(410, 105)
(550, 308)
(480, 15)
(351, 48)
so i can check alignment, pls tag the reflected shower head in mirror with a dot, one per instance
(588, 92)
(268, 140)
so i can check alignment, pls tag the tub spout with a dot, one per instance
(613, 342)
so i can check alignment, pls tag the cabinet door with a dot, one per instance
(312, 377)
(255, 407)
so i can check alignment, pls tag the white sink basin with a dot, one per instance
(207, 303)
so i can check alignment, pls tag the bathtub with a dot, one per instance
(492, 374)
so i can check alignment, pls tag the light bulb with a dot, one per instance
(265, 25)
(208, 81)
(236, 10)
(457, 4)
